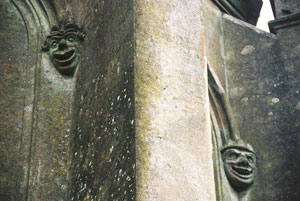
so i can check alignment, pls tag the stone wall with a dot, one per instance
(133, 122)
(103, 127)
(262, 86)
(12, 69)
(259, 73)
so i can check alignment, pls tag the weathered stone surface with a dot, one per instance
(260, 75)
(43, 114)
(214, 41)
(50, 137)
(13, 67)
(282, 7)
(103, 131)
(262, 87)
(34, 146)
(138, 99)
(174, 149)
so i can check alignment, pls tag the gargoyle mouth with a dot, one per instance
(65, 58)
(242, 172)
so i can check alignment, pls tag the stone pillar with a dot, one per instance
(173, 138)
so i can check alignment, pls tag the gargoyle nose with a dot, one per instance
(62, 44)
(243, 162)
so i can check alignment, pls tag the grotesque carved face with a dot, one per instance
(240, 167)
(63, 46)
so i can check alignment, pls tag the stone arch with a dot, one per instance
(26, 23)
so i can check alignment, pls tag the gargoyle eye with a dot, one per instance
(54, 44)
(250, 159)
(233, 156)
(71, 38)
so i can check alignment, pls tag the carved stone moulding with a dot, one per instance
(235, 160)
(63, 46)
(246, 10)
(284, 22)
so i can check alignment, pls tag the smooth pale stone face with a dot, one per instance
(174, 148)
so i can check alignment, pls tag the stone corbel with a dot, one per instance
(235, 159)
(63, 46)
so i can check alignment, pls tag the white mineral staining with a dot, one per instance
(275, 100)
(28, 108)
(244, 100)
(248, 49)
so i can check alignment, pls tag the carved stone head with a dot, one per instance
(63, 46)
(239, 164)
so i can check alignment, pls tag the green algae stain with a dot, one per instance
(151, 33)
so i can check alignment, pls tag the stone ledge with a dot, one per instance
(284, 22)
(250, 26)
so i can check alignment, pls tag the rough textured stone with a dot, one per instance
(103, 140)
(174, 149)
(134, 121)
(13, 67)
(262, 85)
(43, 114)
(259, 72)
(282, 7)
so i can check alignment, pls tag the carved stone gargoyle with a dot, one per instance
(63, 46)
(240, 165)
(239, 161)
